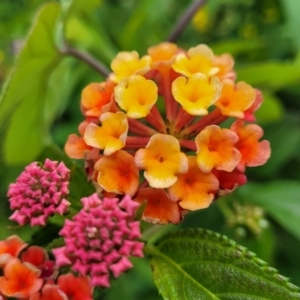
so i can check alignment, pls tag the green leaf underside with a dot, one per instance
(200, 264)
(279, 198)
(23, 100)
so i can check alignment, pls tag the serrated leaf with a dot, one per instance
(22, 103)
(201, 264)
(281, 199)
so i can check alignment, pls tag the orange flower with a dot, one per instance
(159, 209)
(161, 160)
(235, 99)
(49, 292)
(10, 248)
(118, 173)
(76, 147)
(195, 189)
(136, 95)
(254, 153)
(111, 136)
(20, 280)
(76, 288)
(216, 149)
(225, 65)
(96, 98)
(126, 64)
(198, 60)
(196, 93)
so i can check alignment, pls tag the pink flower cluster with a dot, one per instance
(100, 238)
(39, 192)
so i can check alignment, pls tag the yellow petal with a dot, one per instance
(198, 60)
(111, 136)
(126, 64)
(197, 93)
(161, 160)
(136, 95)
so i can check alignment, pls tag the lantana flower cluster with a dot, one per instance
(39, 192)
(101, 238)
(27, 273)
(153, 130)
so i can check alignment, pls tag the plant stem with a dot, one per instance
(88, 59)
(185, 19)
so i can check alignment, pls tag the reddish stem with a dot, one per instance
(136, 142)
(191, 145)
(182, 119)
(156, 120)
(140, 128)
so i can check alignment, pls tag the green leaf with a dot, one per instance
(200, 264)
(22, 103)
(270, 75)
(279, 198)
(284, 138)
(292, 8)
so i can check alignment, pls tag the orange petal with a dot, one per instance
(195, 189)
(198, 60)
(96, 98)
(118, 173)
(225, 65)
(161, 160)
(136, 95)
(235, 99)
(76, 147)
(216, 149)
(197, 93)
(254, 153)
(76, 288)
(49, 292)
(249, 113)
(111, 136)
(12, 245)
(159, 209)
(19, 280)
(126, 64)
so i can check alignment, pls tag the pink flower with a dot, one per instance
(100, 238)
(39, 193)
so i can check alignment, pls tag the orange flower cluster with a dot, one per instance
(28, 274)
(151, 130)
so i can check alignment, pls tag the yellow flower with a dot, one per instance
(126, 64)
(136, 95)
(196, 93)
(161, 160)
(111, 136)
(198, 60)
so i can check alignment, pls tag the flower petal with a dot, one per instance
(111, 136)
(195, 189)
(118, 173)
(254, 153)
(19, 280)
(198, 60)
(136, 95)
(216, 149)
(235, 99)
(196, 93)
(161, 160)
(159, 208)
(126, 64)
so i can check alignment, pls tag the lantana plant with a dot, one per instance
(166, 133)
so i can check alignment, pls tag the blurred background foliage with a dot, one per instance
(263, 37)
